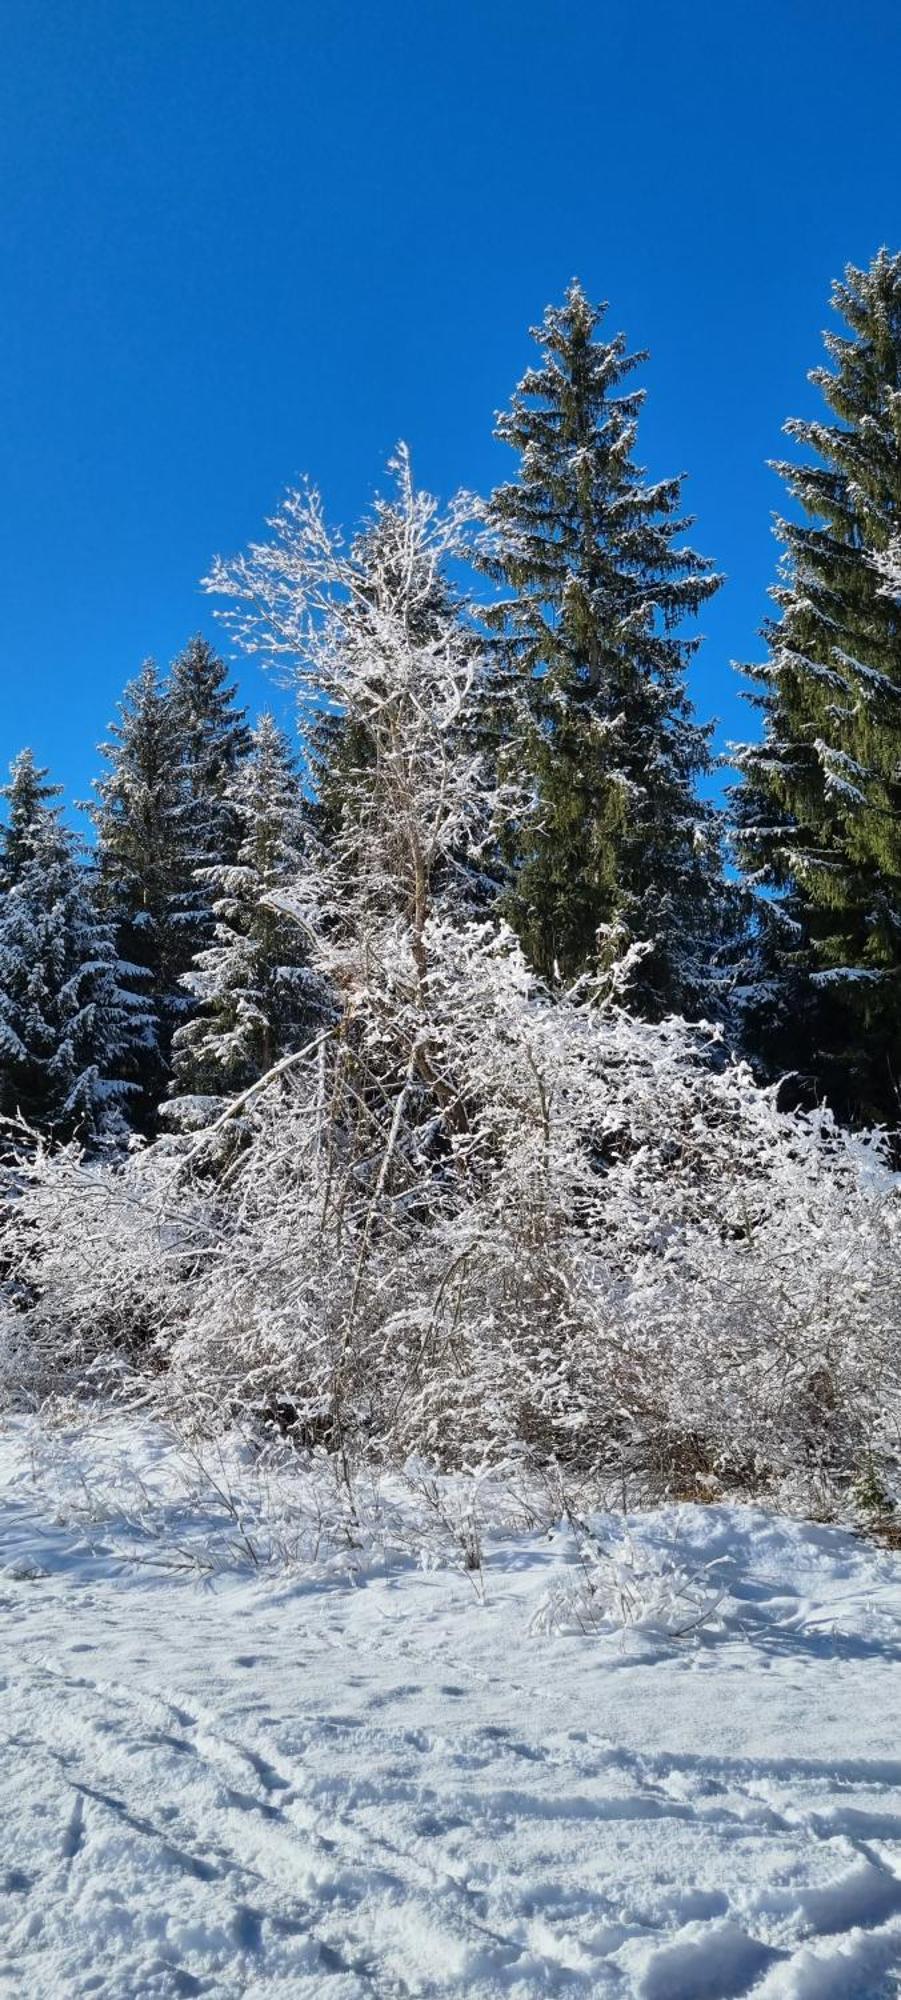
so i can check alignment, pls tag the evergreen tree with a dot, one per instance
(213, 738)
(618, 849)
(27, 795)
(214, 733)
(253, 985)
(70, 1027)
(145, 856)
(819, 806)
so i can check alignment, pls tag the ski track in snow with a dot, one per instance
(293, 1783)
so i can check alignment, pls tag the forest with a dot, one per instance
(474, 1075)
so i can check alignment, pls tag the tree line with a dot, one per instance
(148, 982)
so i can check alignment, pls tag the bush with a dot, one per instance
(487, 1223)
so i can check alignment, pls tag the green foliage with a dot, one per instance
(870, 1492)
(213, 738)
(252, 982)
(164, 820)
(145, 860)
(819, 808)
(27, 795)
(618, 850)
(72, 1029)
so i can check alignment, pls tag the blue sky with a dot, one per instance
(246, 239)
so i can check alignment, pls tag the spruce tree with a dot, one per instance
(255, 992)
(71, 1026)
(819, 807)
(618, 849)
(145, 858)
(214, 733)
(213, 737)
(27, 794)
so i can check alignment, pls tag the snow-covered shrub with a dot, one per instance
(96, 1261)
(479, 1220)
(618, 1585)
(468, 1221)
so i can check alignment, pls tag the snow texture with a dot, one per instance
(259, 1760)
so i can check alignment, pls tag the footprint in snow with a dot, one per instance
(74, 1833)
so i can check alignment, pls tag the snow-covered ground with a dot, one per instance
(349, 1771)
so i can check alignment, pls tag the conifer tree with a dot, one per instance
(145, 858)
(71, 1027)
(214, 733)
(252, 982)
(819, 806)
(618, 849)
(213, 738)
(27, 794)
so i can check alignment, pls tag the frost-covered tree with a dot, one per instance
(469, 1218)
(819, 806)
(399, 875)
(390, 567)
(376, 642)
(214, 733)
(628, 1260)
(595, 585)
(145, 861)
(213, 737)
(255, 993)
(27, 794)
(72, 1027)
(164, 820)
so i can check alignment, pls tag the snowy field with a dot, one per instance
(240, 1758)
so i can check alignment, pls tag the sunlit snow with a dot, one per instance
(256, 1744)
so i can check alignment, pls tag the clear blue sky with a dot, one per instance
(245, 239)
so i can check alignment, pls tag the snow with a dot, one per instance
(356, 1771)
